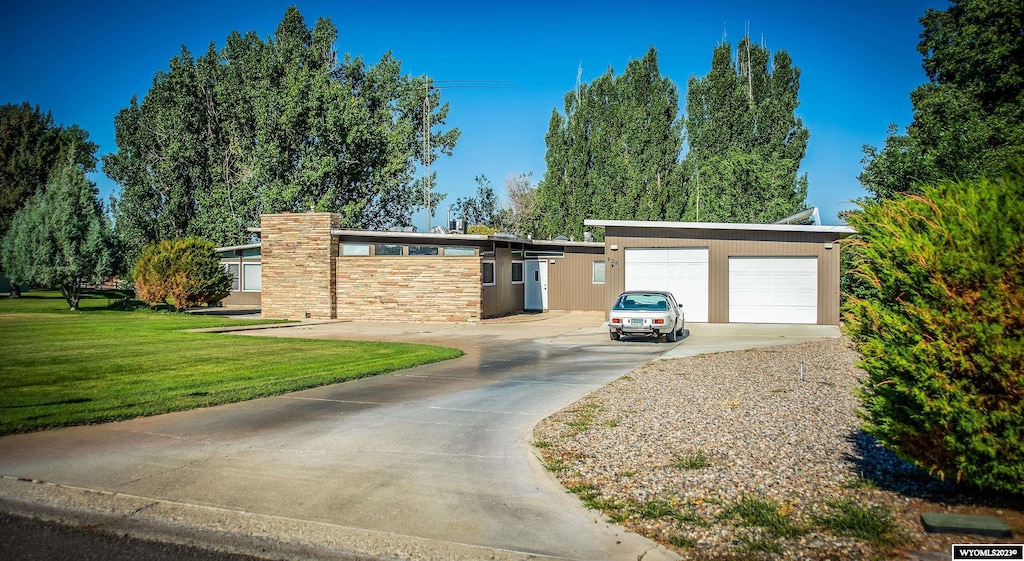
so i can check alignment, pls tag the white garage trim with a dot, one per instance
(773, 290)
(683, 271)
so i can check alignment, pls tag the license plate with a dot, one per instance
(636, 321)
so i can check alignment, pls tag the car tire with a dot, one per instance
(671, 336)
(615, 336)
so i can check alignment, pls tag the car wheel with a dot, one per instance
(671, 336)
(614, 335)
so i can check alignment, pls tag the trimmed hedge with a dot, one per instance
(185, 272)
(940, 327)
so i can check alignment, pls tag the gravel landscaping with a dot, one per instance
(752, 454)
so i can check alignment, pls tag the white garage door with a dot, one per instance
(683, 271)
(773, 290)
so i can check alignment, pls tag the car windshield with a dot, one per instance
(637, 302)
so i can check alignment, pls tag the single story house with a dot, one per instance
(307, 266)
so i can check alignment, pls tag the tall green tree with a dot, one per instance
(61, 238)
(482, 209)
(269, 126)
(614, 153)
(969, 117)
(520, 214)
(30, 145)
(745, 140)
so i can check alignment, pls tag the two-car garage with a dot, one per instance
(730, 273)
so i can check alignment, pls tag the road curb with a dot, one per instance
(231, 531)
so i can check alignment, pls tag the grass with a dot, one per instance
(769, 515)
(98, 364)
(697, 460)
(656, 509)
(871, 524)
(860, 482)
(759, 544)
(584, 418)
(555, 465)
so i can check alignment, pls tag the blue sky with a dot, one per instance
(83, 61)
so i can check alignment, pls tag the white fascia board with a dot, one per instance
(564, 243)
(841, 230)
(234, 247)
(415, 235)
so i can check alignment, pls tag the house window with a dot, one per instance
(460, 251)
(252, 277)
(232, 269)
(488, 273)
(517, 272)
(355, 249)
(422, 250)
(387, 249)
(598, 272)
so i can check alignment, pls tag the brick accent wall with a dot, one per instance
(431, 289)
(299, 265)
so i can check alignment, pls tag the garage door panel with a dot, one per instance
(773, 289)
(681, 271)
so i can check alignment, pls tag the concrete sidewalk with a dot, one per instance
(704, 338)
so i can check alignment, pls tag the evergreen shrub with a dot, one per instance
(184, 272)
(940, 328)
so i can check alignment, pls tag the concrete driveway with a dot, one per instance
(432, 462)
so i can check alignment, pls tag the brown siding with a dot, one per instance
(242, 299)
(432, 289)
(503, 298)
(571, 282)
(723, 244)
(299, 260)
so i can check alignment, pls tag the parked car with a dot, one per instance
(643, 312)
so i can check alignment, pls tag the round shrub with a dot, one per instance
(185, 271)
(940, 327)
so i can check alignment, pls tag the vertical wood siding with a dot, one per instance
(570, 280)
(503, 298)
(723, 244)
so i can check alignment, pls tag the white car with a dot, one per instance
(646, 312)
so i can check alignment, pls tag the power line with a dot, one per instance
(429, 84)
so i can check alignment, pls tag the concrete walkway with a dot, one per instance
(430, 463)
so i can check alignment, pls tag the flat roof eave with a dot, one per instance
(840, 230)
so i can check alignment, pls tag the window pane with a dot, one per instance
(232, 269)
(251, 252)
(460, 251)
(488, 272)
(355, 249)
(422, 250)
(517, 271)
(387, 249)
(251, 276)
(599, 272)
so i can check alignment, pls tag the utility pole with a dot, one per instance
(428, 84)
(426, 148)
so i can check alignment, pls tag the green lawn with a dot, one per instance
(60, 368)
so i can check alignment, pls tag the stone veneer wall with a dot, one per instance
(433, 289)
(299, 263)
